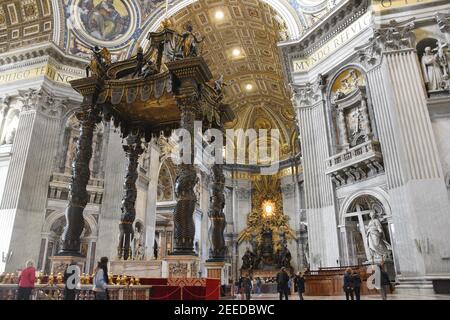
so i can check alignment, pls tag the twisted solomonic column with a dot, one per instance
(133, 151)
(218, 249)
(79, 197)
(184, 226)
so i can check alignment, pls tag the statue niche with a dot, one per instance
(268, 229)
(434, 57)
(350, 110)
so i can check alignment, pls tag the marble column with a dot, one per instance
(309, 102)
(418, 194)
(23, 205)
(114, 168)
(152, 197)
(184, 225)
(79, 196)
(133, 150)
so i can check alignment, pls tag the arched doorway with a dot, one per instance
(51, 239)
(357, 213)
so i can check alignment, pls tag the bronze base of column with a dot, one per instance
(71, 242)
(184, 232)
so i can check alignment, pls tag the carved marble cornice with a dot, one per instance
(443, 21)
(346, 13)
(42, 50)
(392, 37)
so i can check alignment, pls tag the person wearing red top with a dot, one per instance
(26, 281)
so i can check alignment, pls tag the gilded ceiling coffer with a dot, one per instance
(143, 105)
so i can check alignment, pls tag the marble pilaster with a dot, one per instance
(309, 103)
(24, 200)
(415, 179)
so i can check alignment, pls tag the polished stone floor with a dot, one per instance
(375, 297)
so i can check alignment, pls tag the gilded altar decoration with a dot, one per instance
(59, 278)
(268, 229)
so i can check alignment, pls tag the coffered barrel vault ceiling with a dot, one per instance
(24, 23)
(240, 42)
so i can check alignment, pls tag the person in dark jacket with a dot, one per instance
(385, 283)
(356, 278)
(283, 284)
(247, 287)
(300, 285)
(348, 284)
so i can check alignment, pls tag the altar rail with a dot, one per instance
(160, 289)
(56, 292)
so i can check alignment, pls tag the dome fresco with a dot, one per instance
(118, 24)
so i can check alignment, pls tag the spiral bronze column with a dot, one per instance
(184, 226)
(218, 249)
(133, 151)
(79, 197)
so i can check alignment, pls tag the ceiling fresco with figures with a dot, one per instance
(240, 36)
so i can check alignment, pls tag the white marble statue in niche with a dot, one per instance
(435, 67)
(432, 70)
(379, 248)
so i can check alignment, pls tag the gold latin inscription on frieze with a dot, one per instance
(48, 71)
(337, 42)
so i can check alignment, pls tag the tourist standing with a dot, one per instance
(26, 281)
(247, 287)
(385, 283)
(356, 278)
(258, 285)
(300, 284)
(101, 280)
(348, 284)
(283, 284)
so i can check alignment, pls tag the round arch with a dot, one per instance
(54, 216)
(282, 7)
(378, 193)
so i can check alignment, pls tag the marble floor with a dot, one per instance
(375, 297)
